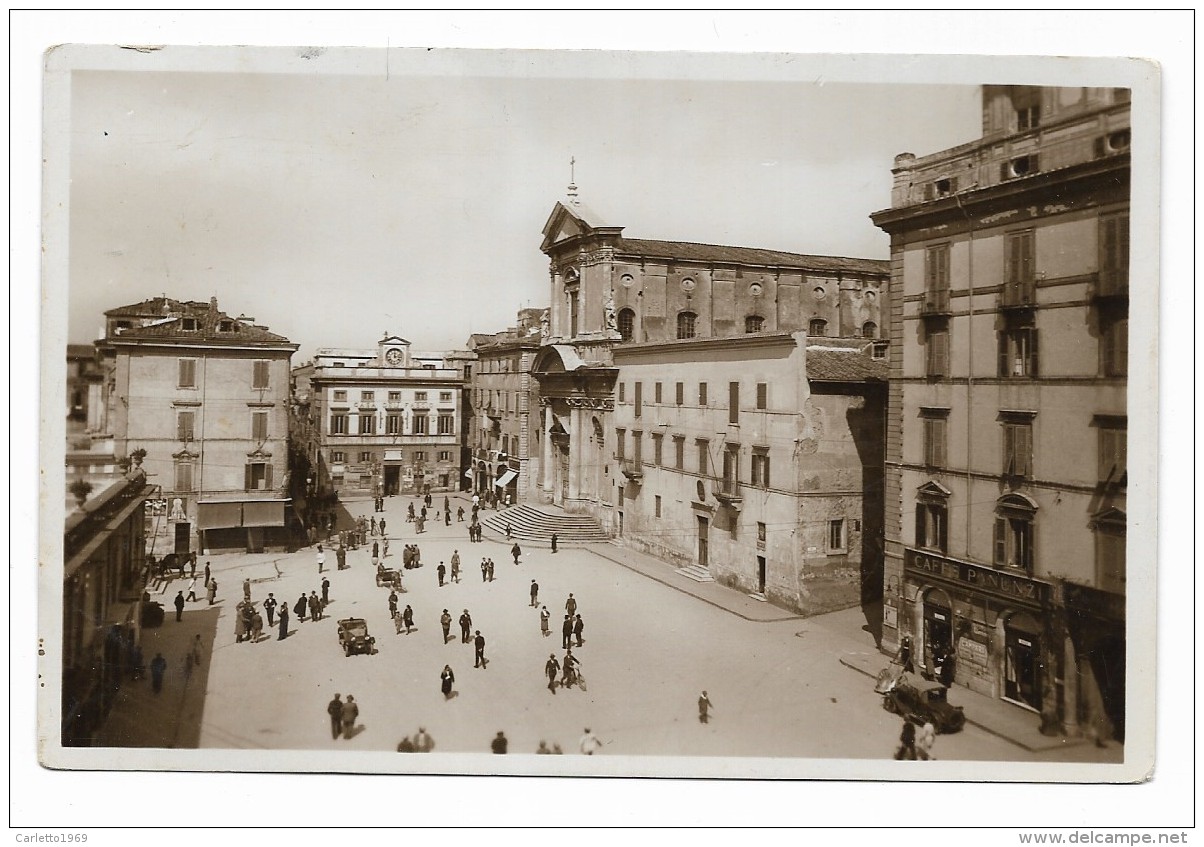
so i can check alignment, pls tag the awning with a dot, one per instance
(263, 513)
(218, 515)
(504, 479)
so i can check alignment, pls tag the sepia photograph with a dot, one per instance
(710, 416)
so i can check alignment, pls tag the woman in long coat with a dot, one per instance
(299, 607)
(448, 678)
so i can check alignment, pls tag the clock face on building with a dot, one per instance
(393, 357)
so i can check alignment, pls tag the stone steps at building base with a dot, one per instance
(760, 598)
(696, 573)
(534, 525)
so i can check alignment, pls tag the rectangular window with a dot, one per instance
(637, 447)
(931, 526)
(656, 392)
(935, 436)
(394, 396)
(445, 456)
(183, 476)
(368, 397)
(1110, 558)
(1014, 542)
(704, 448)
(186, 426)
(657, 506)
(365, 457)
(733, 402)
(681, 393)
(1018, 352)
(258, 476)
(393, 424)
(679, 452)
(1113, 451)
(187, 373)
(445, 396)
(702, 394)
(620, 444)
(1114, 342)
(836, 539)
(1019, 259)
(338, 424)
(731, 468)
(639, 398)
(936, 268)
(1018, 449)
(340, 396)
(259, 374)
(1114, 254)
(762, 395)
(658, 443)
(419, 425)
(938, 353)
(419, 455)
(337, 456)
(446, 424)
(419, 396)
(760, 467)
(367, 424)
(259, 426)
(622, 392)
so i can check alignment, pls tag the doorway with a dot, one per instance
(183, 538)
(392, 480)
(1022, 663)
(760, 574)
(703, 534)
(938, 633)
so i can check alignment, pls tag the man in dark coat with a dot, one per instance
(335, 709)
(445, 619)
(283, 623)
(299, 607)
(578, 628)
(351, 711)
(465, 626)
(479, 643)
(157, 667)
(269, 606)
(442, 571)
(392, 604)
(341, 555)
(325, 592)
(516, 551)
(570, 605)
(179, 601)
(553, 542)
(552, 669)
(499, 744)
(566, 632)
(534, 593)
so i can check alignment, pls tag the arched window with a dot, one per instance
(754, 323)
(869, 329)
(626, 324)
(817, 327)
(1015, 516)
(685, 324)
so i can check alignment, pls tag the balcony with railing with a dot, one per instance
(633, 469)
(1018, 294)
(728, 491)
(935, 302)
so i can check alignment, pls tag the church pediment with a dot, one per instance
(570, 221)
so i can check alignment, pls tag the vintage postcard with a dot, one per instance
(676, 415)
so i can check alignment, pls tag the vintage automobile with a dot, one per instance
(354, 637)
(388, 578)
(921, 702)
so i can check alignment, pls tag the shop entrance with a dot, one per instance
(183, 537)
(392, 480)
(938, 634)
(1022, 662)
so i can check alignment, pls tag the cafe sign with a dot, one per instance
(976, 577)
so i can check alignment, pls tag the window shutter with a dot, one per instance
(762, 395)
(681, 393)
(1032, 365)
(1024, 450)
(1001, 543)
(267, 476)
(639, 398)
(1004, 368)
(921, 517)
(247, 478)
(733, 402)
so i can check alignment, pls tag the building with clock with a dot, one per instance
(380, 421)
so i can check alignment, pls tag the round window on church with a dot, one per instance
(687, 284)
(627, 280)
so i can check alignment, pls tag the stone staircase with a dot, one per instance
(697, 573)
(535, 525)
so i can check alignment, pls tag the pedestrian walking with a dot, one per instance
(907, 742)
(211, 594)
(446, 620)
(479, 660)
(508, 535)
(299, 607)
(460, 515)
(553, 542)
(158, 667)
(373, 525)
(384, 549)
(207, 574)
(516, 551)
(247, 610)
(441, 571)
(566, 632)
(283, 623)
(375, 550)
(545, 618)
(446, 680)
(315, 606)
(407, 617)
(382, 520)
(570, 605)
(446, 504)
(552, 669)
(447, 518)
(392, 603)
(578, 628)
(925, 740)
(484, 570)
(534, 593)
(571, 667)
(179, 603)
(256, 626)
(341, 557)
(269, 606)
(351, 711)
(455, 567)
(192, 564)
(325, 593)
(192, 590)
(321, 555)
(246, 589)
(704, 704)
(465, 626)
(500, 743)
(489, 563)
(589, 743)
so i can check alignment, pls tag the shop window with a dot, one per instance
(1015, 516)
(754, 323)
(626, 324)
(685, 324)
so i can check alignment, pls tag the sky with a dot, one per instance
(338, 206)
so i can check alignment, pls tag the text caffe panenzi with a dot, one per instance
(1013, 587)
